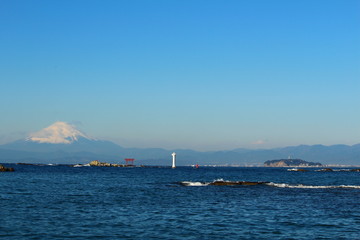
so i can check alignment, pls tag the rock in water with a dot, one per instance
(5, 169)
(325, 170)
(355, 170)
(97, 163)
(221, 182)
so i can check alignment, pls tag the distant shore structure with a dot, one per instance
(173, 160)
(129, 161)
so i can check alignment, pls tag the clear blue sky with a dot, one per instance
(200, 74)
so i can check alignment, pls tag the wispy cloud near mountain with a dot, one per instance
(259, 142)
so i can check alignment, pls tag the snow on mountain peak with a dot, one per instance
(59, 132)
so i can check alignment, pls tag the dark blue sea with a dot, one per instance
(63, 202)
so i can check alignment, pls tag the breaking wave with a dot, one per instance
(201, 184)
(194, 184)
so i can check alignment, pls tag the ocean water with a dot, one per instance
(62, 202)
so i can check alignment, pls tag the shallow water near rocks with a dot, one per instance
(62, 202)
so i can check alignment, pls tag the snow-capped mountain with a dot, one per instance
(64, 137)
(59, 132)
(62, 142)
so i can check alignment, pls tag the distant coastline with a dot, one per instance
(62, 143)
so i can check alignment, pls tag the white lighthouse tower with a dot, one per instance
(173, 160)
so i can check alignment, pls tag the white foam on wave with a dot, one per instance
(194, 184)
(220, 180)
(201, 184)
(284, 185)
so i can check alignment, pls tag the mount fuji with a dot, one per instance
(60, 142)
(59, 132)
(62, 136)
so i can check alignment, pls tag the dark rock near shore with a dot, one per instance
(355, 170)
(5, 169)
(298, 170)
(325, 170)
(221, 182)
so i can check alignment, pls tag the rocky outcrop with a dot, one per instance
(221, 182)
(355, 170)
(5, 169)
(297, 170)
(97, 163)
(325, 170)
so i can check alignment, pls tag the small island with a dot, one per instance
(97, 163)
(290, 163)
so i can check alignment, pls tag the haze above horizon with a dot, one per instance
(203, 75)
